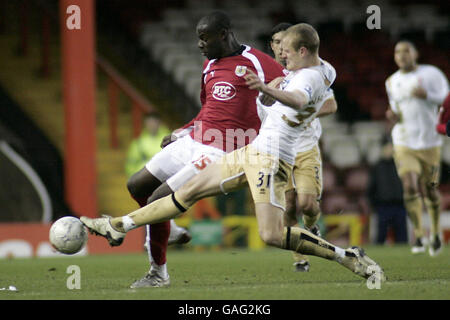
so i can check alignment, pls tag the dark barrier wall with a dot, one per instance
(34, 147)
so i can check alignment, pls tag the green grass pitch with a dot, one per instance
(235, 274)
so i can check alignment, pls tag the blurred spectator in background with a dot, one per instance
(144, 147)
(385, 195)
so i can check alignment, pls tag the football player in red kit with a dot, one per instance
(443, 127)
(227, 120)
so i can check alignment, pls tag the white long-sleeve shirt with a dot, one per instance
(418, 117)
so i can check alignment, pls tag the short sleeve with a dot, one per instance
(307, 82)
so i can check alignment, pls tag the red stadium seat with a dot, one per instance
(356, 180)
(329, 179)
(333, 203)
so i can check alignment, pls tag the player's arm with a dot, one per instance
(391, 115)
(329, 106)
(434, 89)
(294, 99)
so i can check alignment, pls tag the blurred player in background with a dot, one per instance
(305, 188)
(228, 120)
(415, 93)
(265, 164)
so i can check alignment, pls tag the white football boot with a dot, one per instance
(419, 246)
(435, 245)
(102, 227)
(151, 280)
(357, 261)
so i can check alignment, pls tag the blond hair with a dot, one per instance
(304, 35)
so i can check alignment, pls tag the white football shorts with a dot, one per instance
(181, 160)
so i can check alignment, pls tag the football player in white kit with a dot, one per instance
(415, 92)
(264, 165)
(305, 187)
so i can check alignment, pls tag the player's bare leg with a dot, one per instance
(301, 262)
(413, 205)
(433, 205)
(141, 185)
(309, 207)
(310, 210)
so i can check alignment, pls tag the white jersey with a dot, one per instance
(418, 117)
(309, 138)
(282, 128)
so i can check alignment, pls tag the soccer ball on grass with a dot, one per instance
(68, 235)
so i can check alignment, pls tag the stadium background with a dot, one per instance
(145, 58)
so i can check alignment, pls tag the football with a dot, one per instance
(68, 235)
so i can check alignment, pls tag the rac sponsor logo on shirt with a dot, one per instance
(223, 91)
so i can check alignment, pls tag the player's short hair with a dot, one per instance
(304, 35)
(216, 21)
(408, 42)
(283, 26)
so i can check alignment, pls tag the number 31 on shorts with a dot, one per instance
(261, 180)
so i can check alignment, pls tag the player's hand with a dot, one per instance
(167, 140)
(275, 83)
(419, 92)
(268, 100)
(253, 82)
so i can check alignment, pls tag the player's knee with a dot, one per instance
(142, 184)
(133, 186)
(308, 206)
(271, 236)
(410, 190)
(410, 184)
(432, 191)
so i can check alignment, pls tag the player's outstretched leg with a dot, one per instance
(301, 262)
(201, 186)
(115, 229)
(354, 258)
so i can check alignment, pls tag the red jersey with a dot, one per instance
(228, 105)
(444, 116)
